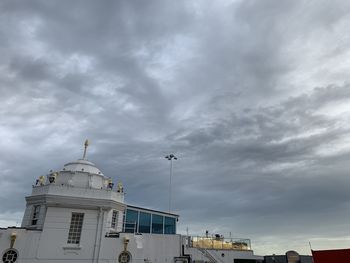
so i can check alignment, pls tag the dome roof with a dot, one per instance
(82, 165)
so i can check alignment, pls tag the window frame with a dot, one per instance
(35, 215)
(114, 221)
(157, 226)
(141, 225)
(169, 225)
(131, 226)
(75, 228)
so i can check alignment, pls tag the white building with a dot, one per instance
(75, 215)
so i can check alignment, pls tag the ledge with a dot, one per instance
(72, 247)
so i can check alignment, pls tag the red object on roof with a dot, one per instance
(331, 256)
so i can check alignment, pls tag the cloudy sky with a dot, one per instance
(252, 96)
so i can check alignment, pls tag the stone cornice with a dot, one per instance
(74, 202)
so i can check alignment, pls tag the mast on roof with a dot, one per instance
(86, 144)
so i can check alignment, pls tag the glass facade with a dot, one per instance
(145, 222)
(169, 225)
(157, 224)
(131, 219)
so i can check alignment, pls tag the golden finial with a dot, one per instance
(120, 187)
(86, 144)
(13, 239)
(41, 180)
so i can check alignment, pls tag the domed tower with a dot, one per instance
(75, 205)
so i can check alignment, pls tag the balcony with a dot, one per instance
(219, 242)
(72, 191)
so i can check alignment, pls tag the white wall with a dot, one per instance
(26, 243)
(196, 254)
(53, 242)
(50, 245)
(157, 248)
(119, 223)
(28, 214)
(47, 246)
(229, 255)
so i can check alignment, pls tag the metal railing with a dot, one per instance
(209, 256)
(220, 243)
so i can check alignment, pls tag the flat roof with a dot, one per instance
(152, 210)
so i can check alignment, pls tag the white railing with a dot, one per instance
(207, 255)
(66, 190)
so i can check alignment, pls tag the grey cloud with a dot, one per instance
(206, 82)
(301, 190)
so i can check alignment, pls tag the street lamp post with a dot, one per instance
(170, 157)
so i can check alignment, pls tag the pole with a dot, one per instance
(170, 157)
(170, 172)
(86, 144)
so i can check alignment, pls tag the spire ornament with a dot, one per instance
(86, 144)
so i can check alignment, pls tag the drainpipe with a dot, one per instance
(97, 226)
(101, 233)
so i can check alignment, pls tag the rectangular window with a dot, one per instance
(35, 216)
(170, 225)
(130, 221)
(114, 219)
(145, 222)
(76, 225)
(157, 224)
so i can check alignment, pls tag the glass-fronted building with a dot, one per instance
(142, 220)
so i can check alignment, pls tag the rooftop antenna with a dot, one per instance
(86, 144)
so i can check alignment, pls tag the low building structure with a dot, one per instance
(331, 255)
(289, 257)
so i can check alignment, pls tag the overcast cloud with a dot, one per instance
(252, 96)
